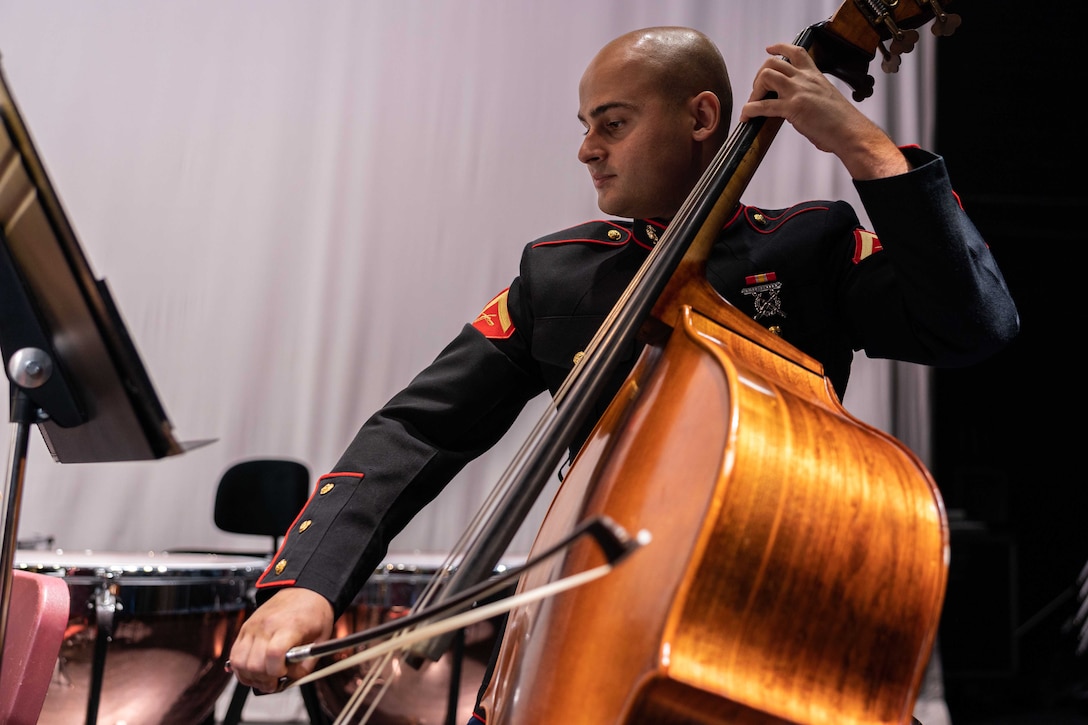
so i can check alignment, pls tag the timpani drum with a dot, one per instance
(423, 696)
(148, 634)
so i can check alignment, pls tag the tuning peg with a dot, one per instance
(904, 42)
(891, 61)
(944, 23)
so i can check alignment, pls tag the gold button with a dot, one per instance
(326, 488)
(578, 356)
(304, 525)
(775, 330)
(614, 234)
(281, 565)
(759, 218)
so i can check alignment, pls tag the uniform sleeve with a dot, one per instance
(400, 459)
(933, 294)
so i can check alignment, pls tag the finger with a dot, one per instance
(275, 658)
(768, 80)
(239, 653)
(249, 662)
(794, 54)
(280, 686)
(297, 670)
(753, 109)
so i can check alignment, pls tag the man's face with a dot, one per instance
(638, 145)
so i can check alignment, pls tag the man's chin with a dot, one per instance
(613, 208)
(625, 210)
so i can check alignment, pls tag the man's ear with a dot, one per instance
(706, 112)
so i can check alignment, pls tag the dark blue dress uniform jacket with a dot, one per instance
(924, 290)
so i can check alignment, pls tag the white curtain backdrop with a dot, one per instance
(297, 204)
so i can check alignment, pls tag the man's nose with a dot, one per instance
(589, 150)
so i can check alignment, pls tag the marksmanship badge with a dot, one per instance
(763, 289)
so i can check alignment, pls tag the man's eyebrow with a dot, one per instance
(604, 108)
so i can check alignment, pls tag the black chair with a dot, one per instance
(262, 497)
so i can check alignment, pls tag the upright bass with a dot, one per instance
(799, 556)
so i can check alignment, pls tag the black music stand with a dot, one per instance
(73, 369)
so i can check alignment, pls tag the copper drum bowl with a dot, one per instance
(173, 619)
(415, 696)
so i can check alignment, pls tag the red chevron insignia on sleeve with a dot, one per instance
(494, 322)
(865, 243)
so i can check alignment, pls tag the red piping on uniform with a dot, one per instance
(287, 534)
(626, 232)
(779, 221)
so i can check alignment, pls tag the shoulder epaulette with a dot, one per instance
(594, 232)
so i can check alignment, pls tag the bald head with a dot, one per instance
(680, 62)
(655, 104)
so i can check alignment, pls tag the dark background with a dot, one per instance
(1008, 432)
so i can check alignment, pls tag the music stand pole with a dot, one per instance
(23, 414)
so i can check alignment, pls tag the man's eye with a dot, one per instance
(610, 127)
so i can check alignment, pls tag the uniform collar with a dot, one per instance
(648, 231)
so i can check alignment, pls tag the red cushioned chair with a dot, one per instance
(37, 618)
